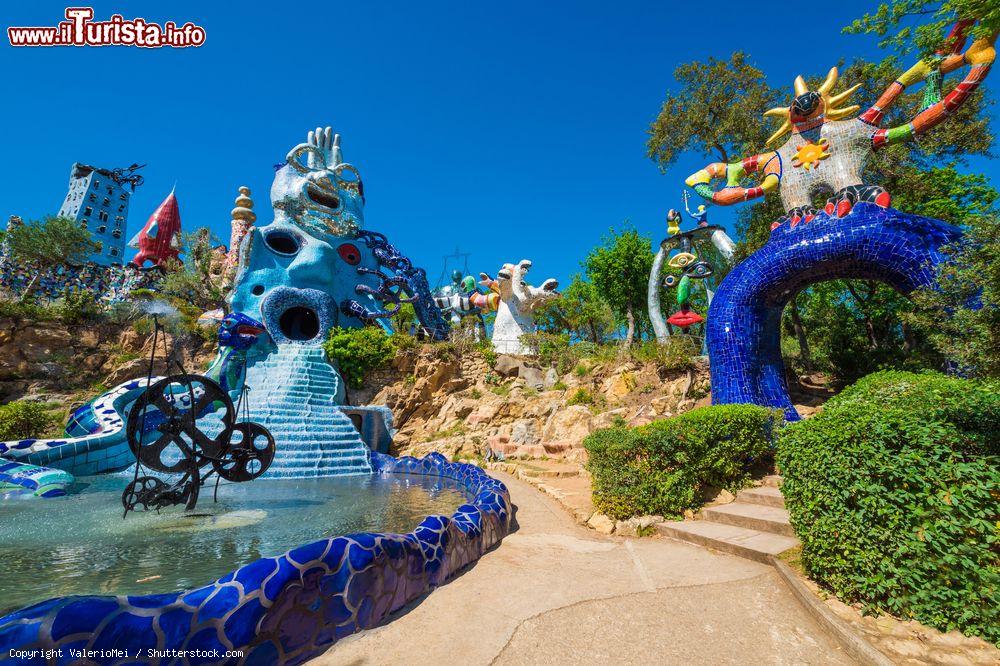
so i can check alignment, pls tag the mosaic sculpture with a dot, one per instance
(462, 299)
(855, 235)
(683, 252)
(285, 609)
(828, 150)
(159, 240)
(516, 300)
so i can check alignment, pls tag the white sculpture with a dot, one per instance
(518, 299)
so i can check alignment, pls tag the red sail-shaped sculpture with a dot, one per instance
(159, 239)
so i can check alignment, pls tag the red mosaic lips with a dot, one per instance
(685, 318)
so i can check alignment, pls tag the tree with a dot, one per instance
(619, 270)
(716, 112)
(192, 280)
(580, 311)
(47, 243)
(960, 314)
(926, 38)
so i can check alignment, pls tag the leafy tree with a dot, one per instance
(930, 35)
(47, 243)
(960, 315)
(581, 311)
(715, 113)
(619, 271)
(192, 280)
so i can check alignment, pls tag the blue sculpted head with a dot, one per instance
(238, 331)
(295, 271)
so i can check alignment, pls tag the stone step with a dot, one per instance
(764, 495)
(773, 480)
(752, 517)
(739, 541)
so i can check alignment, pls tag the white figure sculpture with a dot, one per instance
(517, 301)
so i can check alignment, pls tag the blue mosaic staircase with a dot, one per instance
(293, 393)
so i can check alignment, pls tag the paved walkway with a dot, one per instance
(557, 593)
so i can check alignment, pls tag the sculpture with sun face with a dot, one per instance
(827, 149)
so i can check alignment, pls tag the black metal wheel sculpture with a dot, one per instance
(165, 435)
(248, 458)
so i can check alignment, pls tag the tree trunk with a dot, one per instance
(593, 332)
(800, 335)
(630, 330)
(30, 288)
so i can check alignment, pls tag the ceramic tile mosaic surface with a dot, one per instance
(278, 610)
(743, 333)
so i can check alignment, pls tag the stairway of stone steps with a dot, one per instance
(755, 526)
(293, 393)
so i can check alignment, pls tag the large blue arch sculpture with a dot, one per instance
(743, 329)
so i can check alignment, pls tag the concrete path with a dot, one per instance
(557, 593)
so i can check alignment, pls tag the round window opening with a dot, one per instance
(282, 242)
(299, 323)
(257, 289)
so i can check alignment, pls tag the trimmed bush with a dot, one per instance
(356, 351)
(894, 490)
(666, 466)
(23, 419)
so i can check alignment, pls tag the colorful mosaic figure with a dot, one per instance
(159, 240)
(684, 252)
(856, 235)
(827, 149)
(516, 300)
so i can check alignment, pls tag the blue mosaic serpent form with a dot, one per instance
(744, 320)
(39, 466)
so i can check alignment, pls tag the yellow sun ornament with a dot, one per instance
(810, 154)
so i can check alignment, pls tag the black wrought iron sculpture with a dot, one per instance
(408, 284)
(166, 431)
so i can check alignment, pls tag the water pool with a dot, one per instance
(79, 544)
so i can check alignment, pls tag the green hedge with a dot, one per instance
(894, 490)
(23, 419)
(664, 467)
(356, 351)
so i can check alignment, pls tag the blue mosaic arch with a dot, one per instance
(743, 329)
(276, 610)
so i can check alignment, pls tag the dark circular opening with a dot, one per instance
(282, 242)
(257, 289)
(299, 323)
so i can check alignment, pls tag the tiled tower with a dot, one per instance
(98, 200)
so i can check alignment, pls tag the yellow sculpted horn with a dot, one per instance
(831, 81)
(800, 86)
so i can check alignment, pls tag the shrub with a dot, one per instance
(581, 397)
(675, 353)
(357, 351)
(23, 419)
(666, 466)
(894, 490)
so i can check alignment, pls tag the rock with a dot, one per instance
(619, 384)
(507, 366)
(611, 418)
(627, 527)
(524, 431)
(571, 423)
(601, 523)
(551, 378)
(716, 496)
(532, 377)
(557, 447)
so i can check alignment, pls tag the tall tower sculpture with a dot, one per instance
(98, 200)
(243, 218)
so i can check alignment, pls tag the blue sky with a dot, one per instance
(512, 130)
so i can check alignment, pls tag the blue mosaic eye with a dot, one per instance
(282, 242)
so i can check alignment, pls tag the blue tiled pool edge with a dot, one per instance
(276, 610)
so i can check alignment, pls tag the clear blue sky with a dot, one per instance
(513, 130)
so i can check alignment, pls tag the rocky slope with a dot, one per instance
(52, 361)
(455, 403)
